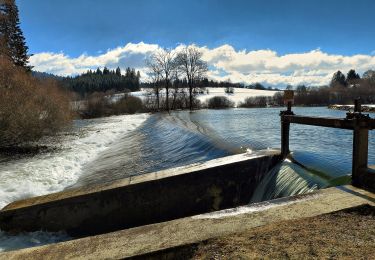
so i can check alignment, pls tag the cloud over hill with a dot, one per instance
(249, 66)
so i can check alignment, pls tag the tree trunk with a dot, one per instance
(190, 95)
(157, 99)
(190, 99)
(167, 97)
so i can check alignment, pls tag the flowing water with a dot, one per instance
(107, 149)
(321, 156)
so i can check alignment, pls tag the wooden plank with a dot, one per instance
(321, 121)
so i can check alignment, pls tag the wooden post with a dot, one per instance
(357, 105)
(285, 129)
(360, 148)
(360, 155)
(360, 123)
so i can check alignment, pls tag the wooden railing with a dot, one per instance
(356, 121)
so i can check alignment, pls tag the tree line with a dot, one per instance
(341, 90)
(103, 81)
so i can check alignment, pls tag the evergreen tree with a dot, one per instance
(98, 71)
(12, 41)
(288, 87)
(301, 90)
(105, 71)
(352, 75)
(338, 79)
(128, 72)
(118, 71)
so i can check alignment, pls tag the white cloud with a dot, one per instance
(265, 66)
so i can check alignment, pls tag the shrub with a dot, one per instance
(128, 105)
(229, 90)
(29, 108)
(219, 102)
(259, 101)
(97, 105)
(100, 104)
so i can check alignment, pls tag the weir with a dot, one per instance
(359, 123)
(161, 210)
(144, 199)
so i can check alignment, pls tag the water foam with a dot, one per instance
(287, 179)
(52, 172)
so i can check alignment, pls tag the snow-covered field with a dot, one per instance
(365, 105)
(239, 95)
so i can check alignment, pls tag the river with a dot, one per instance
(107, 149)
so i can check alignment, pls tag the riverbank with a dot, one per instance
(365, 108)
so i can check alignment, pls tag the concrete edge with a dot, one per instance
(138, 179)
(176, 233)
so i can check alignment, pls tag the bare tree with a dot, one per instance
(175, 86)
(190, 64)
(155, 75)
(162, 62)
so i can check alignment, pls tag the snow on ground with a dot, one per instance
(239, 95)
(366, 105)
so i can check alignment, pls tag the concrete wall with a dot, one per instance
(150, 198)
(162, 239)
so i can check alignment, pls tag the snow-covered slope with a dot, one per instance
(239, 95)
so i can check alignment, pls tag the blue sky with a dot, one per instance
(92, 27)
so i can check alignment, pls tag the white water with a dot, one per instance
(52, 172)
(286, 179)
(255, 207)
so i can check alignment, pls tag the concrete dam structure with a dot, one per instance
(150, 198)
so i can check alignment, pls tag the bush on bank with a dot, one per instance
(259, 101)
(29, 108)
(99, 105)
(219, 102)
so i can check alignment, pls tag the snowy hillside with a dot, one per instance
(239, 95)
